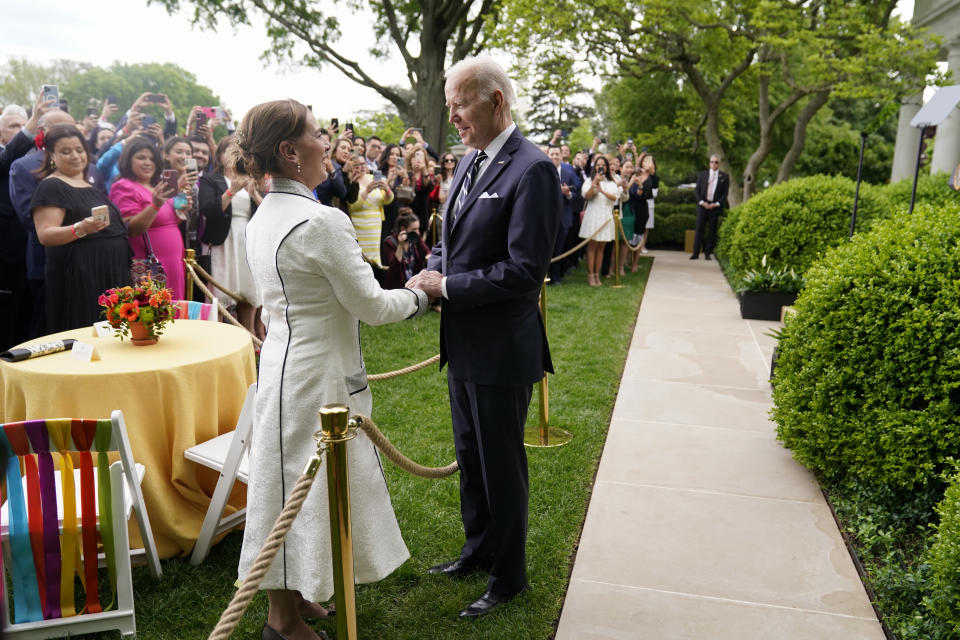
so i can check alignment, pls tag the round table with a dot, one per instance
(186, 389)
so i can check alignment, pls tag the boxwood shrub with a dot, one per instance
(795, 222)
(669, 231)
(868, 377)
(944, 560)
(931, 189)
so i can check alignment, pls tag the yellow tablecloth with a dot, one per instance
(187, 388)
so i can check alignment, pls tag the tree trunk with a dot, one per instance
(767, 120)
(715, 147)
(800, 134)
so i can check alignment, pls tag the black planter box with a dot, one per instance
(755, 305)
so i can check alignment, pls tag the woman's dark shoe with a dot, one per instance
(269, 633)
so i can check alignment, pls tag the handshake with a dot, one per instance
(428, 282)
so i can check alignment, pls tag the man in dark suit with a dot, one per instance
(712, 187)
(569, 187)
(498, 236)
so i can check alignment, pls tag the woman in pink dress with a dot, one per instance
(139, 189)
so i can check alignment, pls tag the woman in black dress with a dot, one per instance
(86, 254)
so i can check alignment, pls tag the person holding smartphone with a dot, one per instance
(421, 181)
(391, 165)
(601, 193)
(85, 254)
(146, 202)
(366, 212)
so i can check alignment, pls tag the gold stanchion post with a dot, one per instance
(337, 431)
(434, 223)
(191, 259)
(544, 435)
(617, 217)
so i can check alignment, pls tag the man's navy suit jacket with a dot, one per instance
(570, 178)
(495, 256)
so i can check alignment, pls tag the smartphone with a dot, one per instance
(199, 120)
(101, 213)
(348, 126)
(92, 112)
(171, 177)
(334, 122)
(401, 162)
(64, 106)
(155, 98)
(50, 92)
(438, 171)
(377, 176)
(147, 121)
(190, 164)
(416, 129)
(111, 99)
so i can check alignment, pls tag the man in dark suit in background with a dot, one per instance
(712, 187)
(569, 187)
(498, 236)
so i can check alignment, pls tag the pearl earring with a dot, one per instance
(298, 167)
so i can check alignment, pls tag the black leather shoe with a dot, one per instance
(694, 257)
(707, 257)
(458, 567)
(487, 603)
(269, 633)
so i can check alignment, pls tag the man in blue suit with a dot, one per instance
(569, 188)
(498, 236)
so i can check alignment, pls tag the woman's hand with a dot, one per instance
(91, 225)
(160, 194)
(108, 110)
(139, 102)
(155, 131)
(402, 240)
(167, 107)
(186, 181)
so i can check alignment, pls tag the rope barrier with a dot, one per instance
(634, 248)
(231, 616)
(223, 312)
(244, 595)
(393, 454)
(404, 371)
(225, 291)
(572, 251)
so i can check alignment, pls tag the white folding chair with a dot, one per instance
(60, 519)
(228, 454)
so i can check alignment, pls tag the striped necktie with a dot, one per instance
(468, 183)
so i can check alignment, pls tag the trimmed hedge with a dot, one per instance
(795, 222)
(944, 560)
(868, 376)
(670, 230)
(931, 189)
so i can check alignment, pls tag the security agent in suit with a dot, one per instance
(711, 192)
(569, 187)
(498, 237)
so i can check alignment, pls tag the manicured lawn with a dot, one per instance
(589, 331)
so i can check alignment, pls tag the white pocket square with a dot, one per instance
(488, 195)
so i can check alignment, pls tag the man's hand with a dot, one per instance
(428, 282)
(141, 101)
(565, 190)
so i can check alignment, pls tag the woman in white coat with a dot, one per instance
(315, 288)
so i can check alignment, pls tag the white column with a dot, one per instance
(908, 139)
(946, 147)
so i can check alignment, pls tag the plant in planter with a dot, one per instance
(763, 292)
(139, 311)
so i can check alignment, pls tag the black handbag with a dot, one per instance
(149, 266)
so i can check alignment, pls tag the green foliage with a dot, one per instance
(675, 195)
(868, 377)
(555, 95)
(21, 80)
(833, 147)
(128, 81)
(386, 125)
(771, 280)
(944, 559)
(670, 230)
(795, 222)
(933, 189)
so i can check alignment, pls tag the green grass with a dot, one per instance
(589, 331)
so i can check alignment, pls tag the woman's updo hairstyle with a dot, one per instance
(262, 130)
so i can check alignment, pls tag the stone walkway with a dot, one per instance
(701, 525)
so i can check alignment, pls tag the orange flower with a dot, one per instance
(113, 320)
(129, 311)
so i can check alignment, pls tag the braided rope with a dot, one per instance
(581, 245)
(405, 370)
(623, 234)
(223, 312)
(244, 595)
(393, 454)
(225, 291)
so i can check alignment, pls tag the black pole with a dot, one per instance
(856, 195)
(916, 170)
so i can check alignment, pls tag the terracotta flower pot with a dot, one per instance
(140, 334)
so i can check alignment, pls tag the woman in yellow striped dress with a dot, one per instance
(367, 214)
